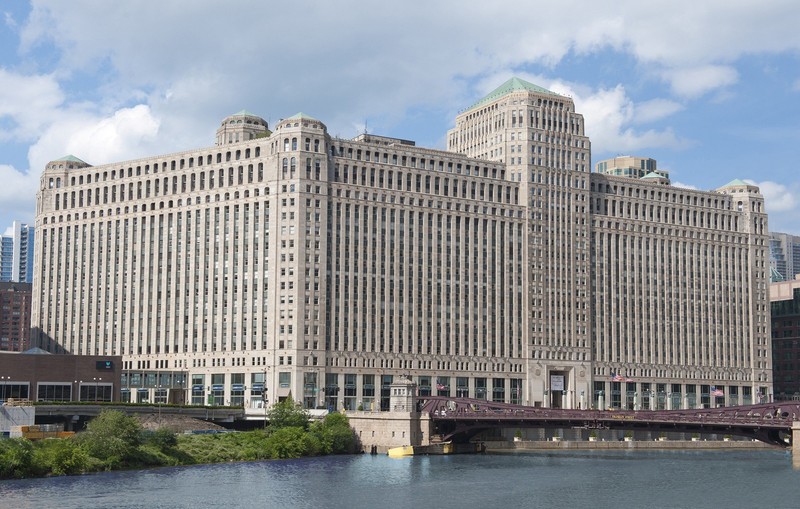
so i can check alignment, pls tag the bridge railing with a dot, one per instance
(779, 415)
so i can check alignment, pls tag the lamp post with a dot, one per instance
(4, 380)
(97, 381)
(77, 390)
(264, 398)
(158, 397)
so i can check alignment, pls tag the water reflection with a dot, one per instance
(596, 479)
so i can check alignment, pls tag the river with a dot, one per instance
(592, 479)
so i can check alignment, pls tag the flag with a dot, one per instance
(616, 378)
(441, 387)
(716, 393)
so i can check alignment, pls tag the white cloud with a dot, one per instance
(777, 197)
(29, 102)
(684, 186)
(696, 81)
(16, 191)
(609, 112)
(655, 109)
(97, 140)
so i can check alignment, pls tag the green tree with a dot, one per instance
(286, 414)
(335, 434)
(112, 437)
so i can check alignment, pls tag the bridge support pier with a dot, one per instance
(796, 440)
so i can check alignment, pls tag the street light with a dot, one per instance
(264, 397)
(158, 396)
(97, 381)
(78, 390)
(4, 380)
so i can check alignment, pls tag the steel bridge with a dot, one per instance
(459, 419)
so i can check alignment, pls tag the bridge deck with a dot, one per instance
(463, 417)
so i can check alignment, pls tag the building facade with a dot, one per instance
(15, 316)
(785, 304)
(292, 263)
(16, 253)
(36, 375)
(784, 256)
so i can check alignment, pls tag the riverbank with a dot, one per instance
(540, 445)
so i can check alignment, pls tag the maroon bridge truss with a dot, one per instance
(459, 419)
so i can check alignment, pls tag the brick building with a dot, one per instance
(15, 316)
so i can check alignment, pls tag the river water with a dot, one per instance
(592, 479)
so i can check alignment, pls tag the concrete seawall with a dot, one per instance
(565, 445)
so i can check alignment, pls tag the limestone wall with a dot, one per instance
(390, 429)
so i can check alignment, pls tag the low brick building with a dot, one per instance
(36, 375)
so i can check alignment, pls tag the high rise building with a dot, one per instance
(15, 316)
(785, 304)
(322, 268)
(16, 253)
(784, 256)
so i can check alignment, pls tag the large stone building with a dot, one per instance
(16, 253)
(300, 264)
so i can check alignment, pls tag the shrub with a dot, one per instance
(292, 442)
(16, 458)
(112, 437)
(163, 439)
(60, 456)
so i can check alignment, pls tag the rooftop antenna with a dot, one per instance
(365, 126)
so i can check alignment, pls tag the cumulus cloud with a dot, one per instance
(610, 112)
(17, 191)
(97, 140)
(28, 102)
(685, 186)
(696, 81)
(777, 197)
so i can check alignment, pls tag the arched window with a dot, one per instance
(316, 145)
(293, 167)
(285, 167)
(286, 144)
(294, 143)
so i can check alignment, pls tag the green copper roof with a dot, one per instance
(736, 183)
(244, 113)
(71, 159)
(302, 116)
(512, 85)
(653, 175)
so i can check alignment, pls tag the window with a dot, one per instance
(284, 379)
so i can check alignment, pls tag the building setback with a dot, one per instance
(325, 268)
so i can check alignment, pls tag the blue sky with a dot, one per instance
(710, 89)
